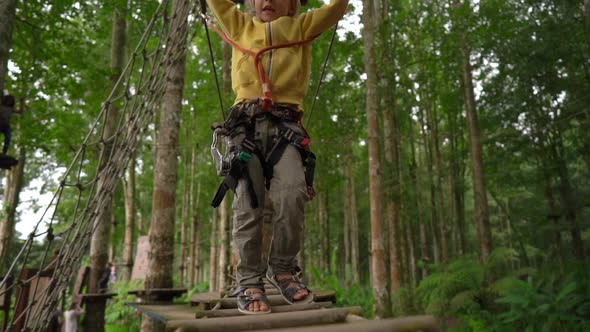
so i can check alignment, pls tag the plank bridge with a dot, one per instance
(215, 311)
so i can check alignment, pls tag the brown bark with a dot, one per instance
(416, 200)
(568, 201)
(194, 248)
(347, 219)
(378, 257)
(392, 207)
(553, 215)
(587, 19)
(183, 235)
(162, 228)
(100, 241)
(223, 245)
(129, 191)
(438, 188)
(322, 221)
(457, 183)
(14, 183)
(213, 253)
(354, 225)
(482, 216)
(433, 212)
(7, 16)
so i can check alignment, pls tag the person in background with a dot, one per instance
(7, 109)
(72, 315)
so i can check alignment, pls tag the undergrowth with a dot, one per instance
(496, 297)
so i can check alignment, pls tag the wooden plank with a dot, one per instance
(230, 302)
(405, 324)
(268, 321)
(158, 294)
(166, 312)
(275, 309)
(81, 280)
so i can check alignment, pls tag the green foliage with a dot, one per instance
(200, 288)
(117, 311)
(547, 303)
(521, 300)
(346, 295)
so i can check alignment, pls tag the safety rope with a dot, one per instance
(138, 94)
(266, 98)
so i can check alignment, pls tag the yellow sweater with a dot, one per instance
(288, 68)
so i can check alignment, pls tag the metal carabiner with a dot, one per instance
(222, 166)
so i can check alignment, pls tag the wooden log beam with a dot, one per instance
(208, 300)
(276, 309)
(405, 324)
(158, 294)
(271, 321)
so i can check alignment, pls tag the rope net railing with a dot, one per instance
(133, 100)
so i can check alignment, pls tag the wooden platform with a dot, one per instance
(214, 312)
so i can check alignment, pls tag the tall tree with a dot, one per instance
(482, 216)
(587, 18)
(378, 256)
(14, 183)
(161, 234)
(7, 16)
(100, 240)
(129, 191)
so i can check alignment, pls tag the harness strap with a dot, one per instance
(288, 136)
(239, 169)
(266, 98)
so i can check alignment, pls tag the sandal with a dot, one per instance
(248, 295)
(289, 292)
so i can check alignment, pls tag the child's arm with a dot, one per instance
(228, 16)
(321, 19)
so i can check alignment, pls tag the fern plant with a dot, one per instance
(117, 311)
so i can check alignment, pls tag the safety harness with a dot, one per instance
(234, 165)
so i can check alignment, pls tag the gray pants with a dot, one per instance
(288, 193)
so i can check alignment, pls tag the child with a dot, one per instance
(270, 83)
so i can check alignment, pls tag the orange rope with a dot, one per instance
(264, 80)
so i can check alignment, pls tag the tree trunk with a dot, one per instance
(457, 182)
(392, 207)
(432, 122)
(347, 219)
(323, 261)
(416, 200)
(7, 15)
(161, 234)
(100, 240)
(378, 236)
(568, 201)
(195, 243)
(14, 183)
(354, 224)
(223, 240)
(482, 217)
(436, 252)
(587, 19)
(213, 252)
(183, 218)
(129, 191)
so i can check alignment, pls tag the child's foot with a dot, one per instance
(253, 301)
(291, 288)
